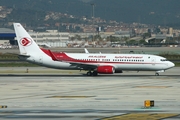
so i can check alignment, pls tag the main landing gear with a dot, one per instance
(156, 74)
(94, 73)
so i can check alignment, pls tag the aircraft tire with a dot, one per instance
(89, 73)
(95, 73)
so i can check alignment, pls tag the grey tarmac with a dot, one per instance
(71, 95)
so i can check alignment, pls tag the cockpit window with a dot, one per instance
(163, 59)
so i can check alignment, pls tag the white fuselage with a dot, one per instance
(134, 62)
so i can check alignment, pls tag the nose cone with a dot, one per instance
(171, 64)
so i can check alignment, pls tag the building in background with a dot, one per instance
(170, 31)
(51, 38)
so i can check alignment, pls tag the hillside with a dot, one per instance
(164, 12)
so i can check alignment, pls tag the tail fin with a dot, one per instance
(27, 45)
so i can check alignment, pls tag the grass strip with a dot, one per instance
(17, 64)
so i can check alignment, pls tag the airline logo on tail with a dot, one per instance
(26, 41)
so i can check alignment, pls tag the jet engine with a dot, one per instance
(105, 69)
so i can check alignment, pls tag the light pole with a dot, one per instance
(93, 21)
(93, 10)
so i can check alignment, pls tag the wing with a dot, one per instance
(78, 64)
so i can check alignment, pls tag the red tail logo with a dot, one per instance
(25, 41)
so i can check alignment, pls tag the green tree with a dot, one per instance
(141, 42)
(78, 37)
(97, 37)
(146, 35)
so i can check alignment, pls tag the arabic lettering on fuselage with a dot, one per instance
(137, 57)
(96, 56)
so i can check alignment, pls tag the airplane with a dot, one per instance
(93, 63)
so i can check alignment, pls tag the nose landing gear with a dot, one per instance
(156, 74)
(160, 71)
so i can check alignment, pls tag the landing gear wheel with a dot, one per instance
(89, 73)
(95, 73)
(156, 74)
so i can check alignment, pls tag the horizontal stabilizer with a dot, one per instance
(24, 55)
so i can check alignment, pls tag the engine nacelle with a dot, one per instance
(105, 69)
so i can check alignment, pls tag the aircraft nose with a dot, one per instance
(171, 64)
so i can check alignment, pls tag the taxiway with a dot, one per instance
(72, 95)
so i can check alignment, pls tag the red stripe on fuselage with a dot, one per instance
(61, 56)
(46, 52)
